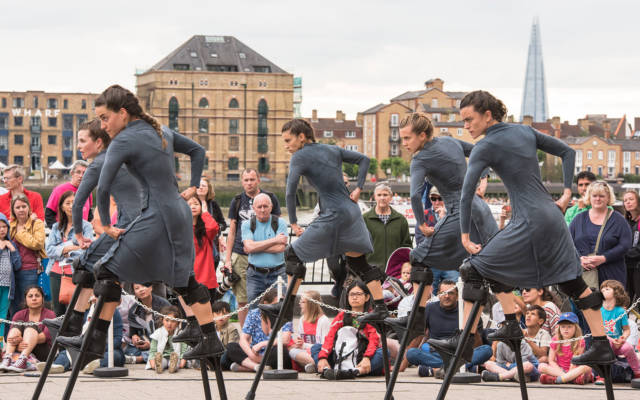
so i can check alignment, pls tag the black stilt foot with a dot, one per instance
(604, 370)
(217, 367)
(385, 352)
(205, 379)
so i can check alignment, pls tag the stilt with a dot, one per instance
(385, 352)
(405, 341)
(451, 369)
(78, 364)
(515, 346)
(217, 367)
(205, 379)
(604, 370)
(251, 395)
(54, 346)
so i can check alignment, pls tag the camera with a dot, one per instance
(228, 279)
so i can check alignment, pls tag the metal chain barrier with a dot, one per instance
(17, 323)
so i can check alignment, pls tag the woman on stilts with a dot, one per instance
(158, 245)
(535, 249)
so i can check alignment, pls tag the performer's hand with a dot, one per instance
(471, 247)
(113, 231)
(83, 242)
(563, 201)
(323, 364)
(355, 195)
(188, 193)
(297, 230)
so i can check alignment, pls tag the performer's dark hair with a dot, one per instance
(586, 175)
(96, 132)
(483, 101)
(116, 97)
(419, 123)
(297, 126)
(63, 220)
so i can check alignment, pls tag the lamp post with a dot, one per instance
(244, 86)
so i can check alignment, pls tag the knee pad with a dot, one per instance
(109, 289)
(474, 288)
(592, 301)
(421, 273)
(84, 278)
(468, 273)
(372, 274)
(197, 294)
(573, 288)
(499, 287)
(294, 266)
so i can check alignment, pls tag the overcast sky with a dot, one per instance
(350, 54)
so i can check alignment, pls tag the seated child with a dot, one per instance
(312, 328)
(228, 332)
(559, 369)
(538, 338)
(163, 353)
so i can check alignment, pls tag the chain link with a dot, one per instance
(18, 323)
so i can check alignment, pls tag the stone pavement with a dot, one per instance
(186, 384)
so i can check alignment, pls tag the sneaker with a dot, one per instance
(527, 378)
(55, 368)
(310, 368)
(439, 374)
(158, 362)
(20, 365)
(235, 367)
(488, 376)
(599, 381)
(5, 364)
(547, 379)
(130, 359)
(173, 363)
(425, 371)
(89, 368)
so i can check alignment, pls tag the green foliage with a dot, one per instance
(373, 166)
(397, 165)
(631, 178)
(350, 169)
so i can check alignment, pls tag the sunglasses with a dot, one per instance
(435, 198)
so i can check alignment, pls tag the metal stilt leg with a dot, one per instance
(604, 370)
(403, 344)
(205, 379)
(54, 346)
(217, 367)
(78, 364)
(451, 368)
(385, 353)
(274, 333)
(515, 346)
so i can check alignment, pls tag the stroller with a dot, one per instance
(394, 288)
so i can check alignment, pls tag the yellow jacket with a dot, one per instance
(31, 237)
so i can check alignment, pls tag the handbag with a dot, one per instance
(66, 289)
(44, 282)
(591, 276)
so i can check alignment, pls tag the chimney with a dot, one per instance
(527, 120)
(584, 124)
(339, 116)
(555, 122)
(314, 115)
(359, 119)
(606, 125)
(434, 83)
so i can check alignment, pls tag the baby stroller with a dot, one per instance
(394, 288)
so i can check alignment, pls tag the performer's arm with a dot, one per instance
(295, 170)
(558, 148)
(417, 173)
(353, 157)
(478, 161)
(119, 152)
(184, 145)
(466, 147)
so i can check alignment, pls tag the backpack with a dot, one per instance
(238, 198)
(274, 223)
(350, 345)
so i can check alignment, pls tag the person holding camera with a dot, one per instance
(264, 237)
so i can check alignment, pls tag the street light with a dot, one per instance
(244, 86)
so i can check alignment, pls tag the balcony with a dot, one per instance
(36, 129)
(35, 148)
(394, 139)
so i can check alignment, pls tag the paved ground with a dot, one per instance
(186, 384)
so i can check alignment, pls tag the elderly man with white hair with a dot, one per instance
(264, 237)
(389, 229)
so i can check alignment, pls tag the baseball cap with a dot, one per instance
(568, 316)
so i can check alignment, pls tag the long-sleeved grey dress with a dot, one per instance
(339, 228)
(126, 193)
(442, 161)
(158, 245)
(535, 249)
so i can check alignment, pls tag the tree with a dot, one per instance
(397, 165)
(373, 166)
(350, 169)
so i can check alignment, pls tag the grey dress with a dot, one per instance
(442, 161)
(535, 249)
(126, 193)
(158, 245)
(339, 228)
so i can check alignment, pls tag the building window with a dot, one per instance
(395, 134)
(194, 54)
(206, 163)
(444, 130)
(233, 126)
(589, 155)
(203, 125)
(263, 129)
(458, 103)
(4, 142)
(393, 152)
(174, 110)
(18, 160)
(4, 102)
(53, 122)
(36, 121)
(233, 163)
(328, 134)
(262, 68)
(52, 104)
(204, 141)
(17, 121)
(204, 103)
(233, 103)
(600, 155)
(66, 160)
(434, 103)
(579, 157)
(350, 134)
(242, 55)
(35, 140)
(181, 67)
(83, 104)
(627, 156)
(600, 170)
(637, 170)
(18, 139)
(35, 101)
(626, 170)
(66, 143)
(233, 177)
(67, 122)
(4, 122)
(435, 117)
(80, 119)
(394, 120)
(222, 68)
(459, 131)
(18, 102)
(65, 104)
(51, 160)
(352, 147)
(452, 117)
(612, 156)
(589, 168)
(263, 165)
(52, 139)
(637, 155)
(234, 143)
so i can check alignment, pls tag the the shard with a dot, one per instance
(534, 99)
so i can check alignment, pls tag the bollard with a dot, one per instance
(110, 371)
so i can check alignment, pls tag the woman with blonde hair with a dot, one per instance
(313, 326)
(601, 236)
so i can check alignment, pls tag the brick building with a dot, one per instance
(339, 130)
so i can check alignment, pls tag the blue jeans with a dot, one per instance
(24, 279)
(134, 351)
(376, 361)
(426, 356)
(118, 359)
(440, 274)
(258, 282)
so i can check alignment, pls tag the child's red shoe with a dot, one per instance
(546, 379)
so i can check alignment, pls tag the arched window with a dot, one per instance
(263, 130)
(174, 110)
(204, 103)
(233, 103)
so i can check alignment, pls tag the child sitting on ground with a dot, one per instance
(538, 338)
(163, 353)
(559, 369)
(228, 332)
(313, 326)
